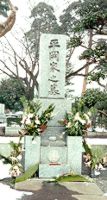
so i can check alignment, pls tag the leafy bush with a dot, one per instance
(11, 90)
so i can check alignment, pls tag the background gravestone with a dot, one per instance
(2, 119)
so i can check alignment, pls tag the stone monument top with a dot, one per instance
(52, 63)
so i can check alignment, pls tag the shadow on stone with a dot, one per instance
(51, 191)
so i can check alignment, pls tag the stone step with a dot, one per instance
(89, 197)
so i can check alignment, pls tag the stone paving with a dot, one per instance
(64, 191)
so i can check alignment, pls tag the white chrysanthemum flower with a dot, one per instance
(86, 117)
(23, 119)
(37, 120)
(19, 157)
(82, 121)
(30, 115)
(13, 159)
(68, 125)
(28, 121)
(15, 167)
(89, 114)
(77, 116)
(15, 171)
(39, 130)
(19, 165)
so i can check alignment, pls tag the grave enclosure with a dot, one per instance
(55, 154)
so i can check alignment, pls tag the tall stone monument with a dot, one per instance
(52, 64)
(55, 154)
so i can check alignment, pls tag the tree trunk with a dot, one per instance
(87, 67)
(8, 24)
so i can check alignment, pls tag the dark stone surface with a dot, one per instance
(51, 191)
(2, 131)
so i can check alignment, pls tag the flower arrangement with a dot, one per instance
(93, 157)
(76, 122)
(15, 159)
(32, 123)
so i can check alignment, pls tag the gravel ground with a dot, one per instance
(101, 180)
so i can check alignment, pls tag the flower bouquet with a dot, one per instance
(76, 124)
(33, 123)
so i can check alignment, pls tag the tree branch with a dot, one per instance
(78, 70)
(8, 24)
(7, 68)
(102, 112)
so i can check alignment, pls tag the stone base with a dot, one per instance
(51, 171)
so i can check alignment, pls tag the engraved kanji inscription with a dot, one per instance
(54, 67)
(54, 43)
(54, 88)
(54, 55)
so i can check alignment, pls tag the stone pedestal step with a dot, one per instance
(89, 197)
(51, 170)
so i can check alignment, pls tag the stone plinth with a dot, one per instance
(51, 171)
(32, 151)
(74, 144)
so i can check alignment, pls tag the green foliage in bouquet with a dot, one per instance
(77, 121)
(34, 123)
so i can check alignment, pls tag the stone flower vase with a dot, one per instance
(32, 151)
(74, 159)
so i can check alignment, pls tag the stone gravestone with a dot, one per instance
(2, 119)
(52, 64)
(55, 154)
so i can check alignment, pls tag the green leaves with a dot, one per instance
(10, 92)
(30, 106)
(44, 21)
(97, 156)
(74, 42)
(28, 173)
